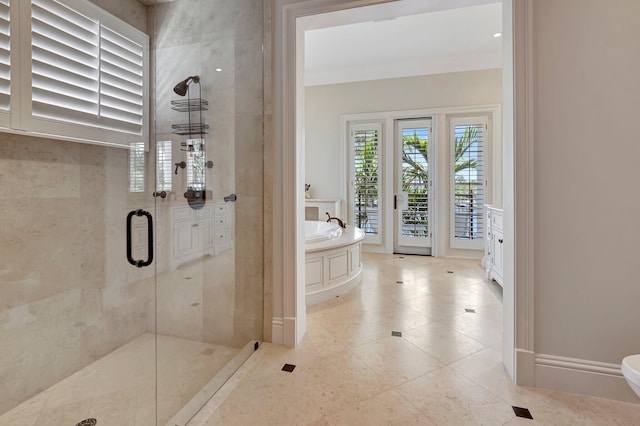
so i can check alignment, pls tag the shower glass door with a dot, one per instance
(208, 205)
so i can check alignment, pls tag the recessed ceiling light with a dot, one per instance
(219, 69)
(496, 35)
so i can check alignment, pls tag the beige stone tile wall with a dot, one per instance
(197, 37)
(67, 293)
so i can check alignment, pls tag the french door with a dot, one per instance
(413, 202)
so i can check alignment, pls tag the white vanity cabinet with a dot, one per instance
(495, 243)
(223, 220)
(191, 234)
(199, 232)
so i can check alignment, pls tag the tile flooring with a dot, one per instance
(446, 369)
(119, 389)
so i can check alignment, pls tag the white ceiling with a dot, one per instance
(400, 40)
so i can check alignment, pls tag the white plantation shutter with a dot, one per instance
(163, 166)
(121, 81)
(468, 140)
(89, 74)
(365, 206)
(5, 56)
(65, 63)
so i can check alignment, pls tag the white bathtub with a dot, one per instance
(315, 231)
(332, 260)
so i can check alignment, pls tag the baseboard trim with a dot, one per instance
(277, 331)
(582, 376)
(525, 367)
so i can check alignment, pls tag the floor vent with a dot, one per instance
(288, 368)
(522, 412)
(88, 422)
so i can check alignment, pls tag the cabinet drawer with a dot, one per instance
(205, 211)
(222, 236)
(221, 208)
(182, 213)
(496, 220)
(222, 221)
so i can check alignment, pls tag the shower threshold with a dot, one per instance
(120, 388)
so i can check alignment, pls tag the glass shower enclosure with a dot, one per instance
(131, 285)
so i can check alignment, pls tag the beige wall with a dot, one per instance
(586, 100)
(325, 105)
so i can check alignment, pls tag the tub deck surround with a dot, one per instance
(333, 260)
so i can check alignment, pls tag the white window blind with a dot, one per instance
(468, 186)
(366, 143)
(163, 166)
(83, 71)
(5, 56)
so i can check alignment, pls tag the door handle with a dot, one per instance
(140, 263)
(395, 202)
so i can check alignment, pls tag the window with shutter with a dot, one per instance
(366, 204)
(468, 137)
(136, 167)
(82, 73)
(163, 166)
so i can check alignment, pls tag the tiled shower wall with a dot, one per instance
(200, 37)
(65, 298)
(67, 294)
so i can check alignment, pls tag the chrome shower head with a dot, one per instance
(182, 87)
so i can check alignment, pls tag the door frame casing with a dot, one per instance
(287, 191)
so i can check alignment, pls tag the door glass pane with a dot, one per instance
(415, 182)
(209, 105)
(469, 181)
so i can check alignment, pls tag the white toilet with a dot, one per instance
(631, 372)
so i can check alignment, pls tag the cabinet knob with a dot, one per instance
(500, 241)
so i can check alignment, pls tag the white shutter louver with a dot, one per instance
(86, 68)
(5, 56)
(469, 180)
(65, 58)
(121, 82)
(365, 162)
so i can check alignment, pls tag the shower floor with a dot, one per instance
(120, 388)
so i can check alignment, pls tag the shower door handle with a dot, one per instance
(140, 263)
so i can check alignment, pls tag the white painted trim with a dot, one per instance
(519, 221)
(288, 202)
(277, 330)
(582, 376)
(525, 361)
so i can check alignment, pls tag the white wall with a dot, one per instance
(326, 104)
(587, 206)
